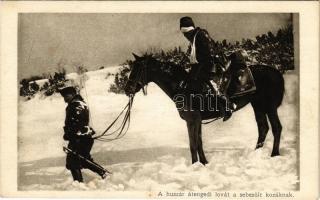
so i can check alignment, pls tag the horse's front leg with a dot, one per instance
(192, 130)
(202, 156)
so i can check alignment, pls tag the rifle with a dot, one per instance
(87, 161)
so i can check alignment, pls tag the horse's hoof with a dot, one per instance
(204, 163)
(259, 145)
(275, 154)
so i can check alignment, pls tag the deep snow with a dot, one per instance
(154, 155)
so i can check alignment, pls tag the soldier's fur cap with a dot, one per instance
(186, 22)
(68, 90)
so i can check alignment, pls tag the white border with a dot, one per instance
(309, 79)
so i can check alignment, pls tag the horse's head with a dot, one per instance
(139, 76)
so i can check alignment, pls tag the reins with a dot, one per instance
(215, 119)
(124, 124)
(121, 131)
(123, 128)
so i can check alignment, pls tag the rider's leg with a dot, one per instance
(228, 106)
(225, 107)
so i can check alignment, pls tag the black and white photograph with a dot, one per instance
(169, 104)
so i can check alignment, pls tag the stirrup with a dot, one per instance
(234, 106)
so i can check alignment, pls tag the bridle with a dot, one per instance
(140, 79)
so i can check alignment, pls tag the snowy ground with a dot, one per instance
(154, 155)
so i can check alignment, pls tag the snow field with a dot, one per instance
(154, 155)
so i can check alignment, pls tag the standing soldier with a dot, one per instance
(79, 134)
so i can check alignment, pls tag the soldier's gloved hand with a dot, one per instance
(86, 131)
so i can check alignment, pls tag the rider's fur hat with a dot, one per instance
(186, 22)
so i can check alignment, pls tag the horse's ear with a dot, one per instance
(136, 56)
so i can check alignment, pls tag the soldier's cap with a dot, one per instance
(186, 22)
(67, 88)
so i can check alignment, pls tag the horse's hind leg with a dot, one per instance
(263, 127)
(276, 130)
(202, 156)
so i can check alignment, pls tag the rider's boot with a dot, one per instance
(229, 106)
(227, 115)
(227, 109)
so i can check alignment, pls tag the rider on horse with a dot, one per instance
(202, 57)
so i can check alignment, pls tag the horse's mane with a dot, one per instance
(165, 65)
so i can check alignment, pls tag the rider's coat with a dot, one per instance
(201, 54)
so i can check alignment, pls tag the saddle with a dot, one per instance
(237, 79)
(241, 83)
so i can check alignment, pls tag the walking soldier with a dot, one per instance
(79, 134)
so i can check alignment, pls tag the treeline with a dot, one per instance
(275, 50)
(29, 87)
(48, 84)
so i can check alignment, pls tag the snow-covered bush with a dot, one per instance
(55, 82)
(276, 50)
(29, 88)
(121, 78)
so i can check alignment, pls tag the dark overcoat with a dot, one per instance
(204, 45)
(78, 132)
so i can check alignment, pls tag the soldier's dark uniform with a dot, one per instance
(204, 55)
(79, 134)
(77, 131)
(201, 53)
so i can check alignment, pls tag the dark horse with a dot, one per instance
(265, 100)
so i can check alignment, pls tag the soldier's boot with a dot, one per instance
(101, 172)
(77, 175)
